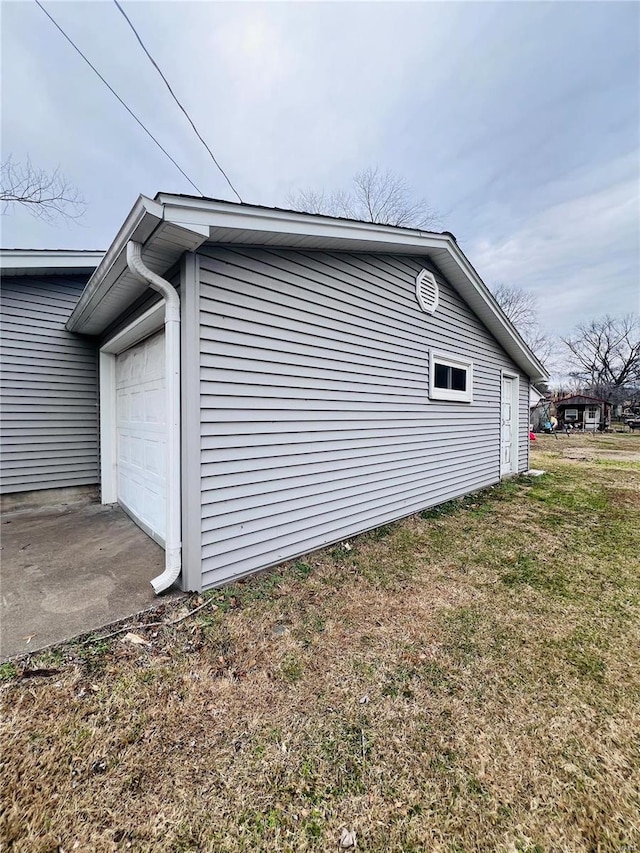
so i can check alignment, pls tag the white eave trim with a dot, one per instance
(145, 212)
(230, 215)
(27, 260)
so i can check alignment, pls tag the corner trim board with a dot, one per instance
(191, 435)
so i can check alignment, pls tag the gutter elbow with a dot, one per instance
(161, 285)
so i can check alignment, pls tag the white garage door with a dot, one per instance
(141, 433)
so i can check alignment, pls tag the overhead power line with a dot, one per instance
(113, 92)
(175, 98)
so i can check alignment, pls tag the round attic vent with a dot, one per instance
(427, 291)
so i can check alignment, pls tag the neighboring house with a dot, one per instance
(49, 376)
(583, 412)
(538, 409)
(310, 378)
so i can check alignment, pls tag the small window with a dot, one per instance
(571, 415)
(450, 378)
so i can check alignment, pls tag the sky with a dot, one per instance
(519, 122)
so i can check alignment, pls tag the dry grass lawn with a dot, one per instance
(465, 680)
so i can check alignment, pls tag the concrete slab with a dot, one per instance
(67, 570)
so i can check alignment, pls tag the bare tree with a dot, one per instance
(46, 195)
(521, 307)
(314, 201)
(605, 355)
(375, 196)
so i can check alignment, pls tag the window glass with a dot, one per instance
(442, 376)
(458, 379)
(453, 378)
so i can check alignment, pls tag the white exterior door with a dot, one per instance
(141, 434)
(591, 417)
(509, 426)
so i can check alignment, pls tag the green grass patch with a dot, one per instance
(292, 669)
(538, 573)
(93, 652)
(8, 671)
(584, 650)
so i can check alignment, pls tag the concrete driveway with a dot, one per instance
(71, 569)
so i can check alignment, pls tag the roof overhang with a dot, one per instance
(171, 225)
(580, 400)
(48, 261)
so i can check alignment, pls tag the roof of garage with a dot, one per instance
(169, 225)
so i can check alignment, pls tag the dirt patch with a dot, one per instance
(623, 447)
(625, 497)
(615, 455)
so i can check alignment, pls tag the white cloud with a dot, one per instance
(581, 256)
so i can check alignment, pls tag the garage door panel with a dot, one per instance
(136, 406)
(154, 405)
(141, 433)
(136, 457)
(154, 459)
(123, 408)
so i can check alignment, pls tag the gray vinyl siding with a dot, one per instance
(48, 387)
(316, 422)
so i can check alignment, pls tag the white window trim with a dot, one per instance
(142, 327)
(435, 356)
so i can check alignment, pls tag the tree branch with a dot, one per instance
(46, 195)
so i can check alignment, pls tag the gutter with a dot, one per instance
(140, 223)
(173, 544)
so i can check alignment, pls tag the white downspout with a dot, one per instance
(173, 544)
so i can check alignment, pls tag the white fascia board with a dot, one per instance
(188, 212)
(27, 260)
(146, 219)
(139, 225)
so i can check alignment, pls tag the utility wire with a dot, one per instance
(113, 92)
(175, 98)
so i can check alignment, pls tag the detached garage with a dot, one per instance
(271, 382)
